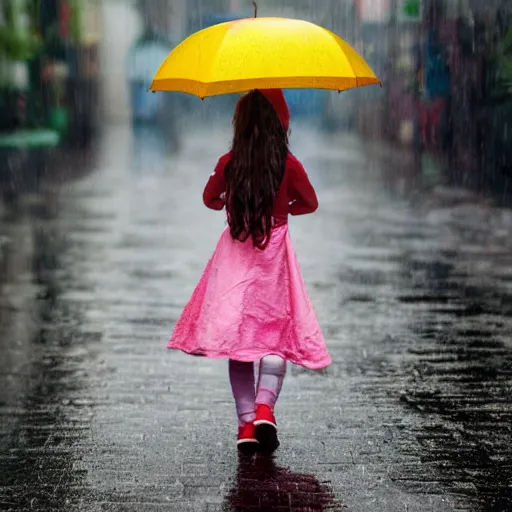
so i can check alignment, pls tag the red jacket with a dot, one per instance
(296, 195)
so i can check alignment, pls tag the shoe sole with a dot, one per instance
(266, 434)
(248, 446)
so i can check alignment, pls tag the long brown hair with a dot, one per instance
(256, 169)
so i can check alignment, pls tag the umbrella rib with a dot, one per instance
(334, 37)
(204, 89)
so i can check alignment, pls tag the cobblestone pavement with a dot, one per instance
(413, 291)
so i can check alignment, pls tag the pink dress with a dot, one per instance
(251, 303)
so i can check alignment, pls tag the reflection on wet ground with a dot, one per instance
(39, 373)
(413, 291)
(262, 485)
(463, 376)
(450, 273)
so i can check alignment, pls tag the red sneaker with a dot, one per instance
(266, 428)
(247, 442)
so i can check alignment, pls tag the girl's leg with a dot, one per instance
(241, 376)
(270, 381)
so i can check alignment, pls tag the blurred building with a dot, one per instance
(49, 84)
(167, 18)
(49, 66)
(374, 41)
(440, 75)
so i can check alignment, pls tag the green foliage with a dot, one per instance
(16, 41)
(18, 45)
(411, 8)
(75, 28)
(502, 64)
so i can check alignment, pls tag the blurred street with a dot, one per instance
(413, 290)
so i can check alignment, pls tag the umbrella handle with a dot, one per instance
(255, 8)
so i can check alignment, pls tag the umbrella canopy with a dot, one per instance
(262, 53)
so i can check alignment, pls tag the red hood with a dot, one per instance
(278, 101)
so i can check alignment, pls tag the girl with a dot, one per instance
(251, 304)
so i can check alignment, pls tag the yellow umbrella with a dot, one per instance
(262, 53)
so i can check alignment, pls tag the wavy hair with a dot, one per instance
(256, 169)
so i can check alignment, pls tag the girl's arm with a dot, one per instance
(301, 193)
(214, 192)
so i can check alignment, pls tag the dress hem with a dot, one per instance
(252, 359)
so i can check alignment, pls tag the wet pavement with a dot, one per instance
(413, 290)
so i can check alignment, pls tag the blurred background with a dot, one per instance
(408, 261)
(69, 68)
